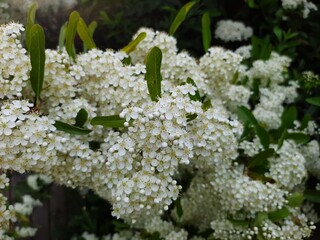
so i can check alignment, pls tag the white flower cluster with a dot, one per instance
(34, 180)
(230, 31)
(138, 167)
(15, 65)
(289, 168)
(307, 6)
(24, 232)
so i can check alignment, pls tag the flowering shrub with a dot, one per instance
(182, 148)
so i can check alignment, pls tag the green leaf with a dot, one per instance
(206, 31)
(191, 117)
(153, 73)
(30, 22)
(261, 216)
(278, 32)
(261, 158)
(246, 115)
(263, 136)
(133, 44)
(196, 96)
(113, 121)
(179, 207)
(81, 118)
(312, 196)
(62, 35)
(299, 138)
(92, 27)
(71, 33)
(37, 58)
(295, 199)
(181, 16)
(85, 34)
(279, 215)
(314, 101)
(206, 105)
(261, 48)
(252, 4)
(282, 138)
(288, 117)
(126, 61)
(74, 130)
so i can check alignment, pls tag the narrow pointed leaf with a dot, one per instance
(181, 16)
(133, 44)
(62, 35)
(179, 207)
(246, 115)
(206, 31)
(263, 136)
(153, 73)
(113, 121)
(282, 138)
(299, 138)
(85, 34)
(71, 33)
(30, 22)
(288, 117)
(314, 101)
(74, 130)
(81, 118)
(196, 96)
(37, 58)
(312, 196)
(92, 27)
